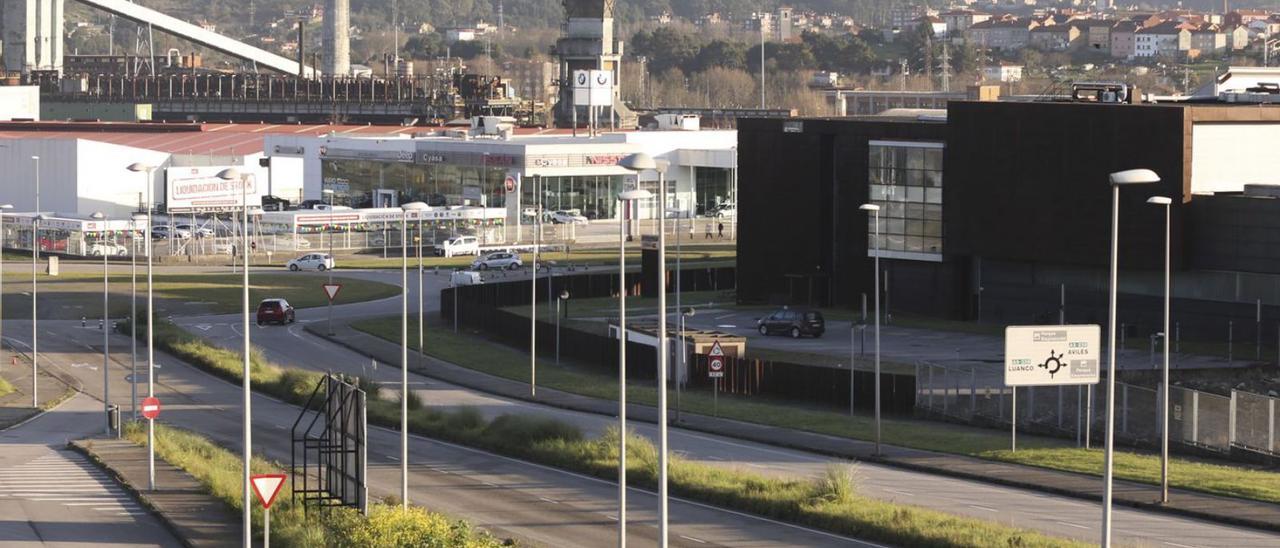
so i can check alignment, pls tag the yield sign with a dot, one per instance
(332, 290)
(267, 486)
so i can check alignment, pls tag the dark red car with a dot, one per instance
(275, 311)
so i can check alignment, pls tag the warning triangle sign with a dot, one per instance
(716, 350)
(267, 486)
(332, 290)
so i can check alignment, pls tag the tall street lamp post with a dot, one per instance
(643, 162)
(416, 208)
(139, 167)
(328, 192)
(874, 210)
(1123, 178)
(106, 324)
(1164, 383)
(624, 201)
(35, 294)
(3, 208)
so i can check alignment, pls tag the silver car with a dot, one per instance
(498, 261)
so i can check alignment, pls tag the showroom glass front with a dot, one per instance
(906, 182)
(370, 183)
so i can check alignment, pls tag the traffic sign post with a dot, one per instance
(1049, 355)
(331, 290)
(267, 486)
(151, 408)
(715, 371)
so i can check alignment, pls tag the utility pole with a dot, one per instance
(928, 58)
(946, 67)
(902, 72)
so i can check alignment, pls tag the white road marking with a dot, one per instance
(697, 540)
(1076, 525)
(906, 493)
(545, 499)
(397, 459)
(1178, 545)
(983, 508)
(62, 478)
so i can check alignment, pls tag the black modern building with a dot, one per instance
(994, 210)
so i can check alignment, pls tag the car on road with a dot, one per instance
(199, 232)
(109, 249)
(163, 233)
(725, 211)
(275, 311)
(498, 261)
(311, 261)
(459, 245)
(793, 323)
(568, 217)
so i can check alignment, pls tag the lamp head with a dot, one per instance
(688, 311)
(639, 161)
(327, 191)
(564, 294)
(138, 167)
(635, 195)
(139, 217)
(6, 206)
(98, 216)
(1134, 177)
(415, 206)
(869, 207)
(1159, 200)
(229, 174)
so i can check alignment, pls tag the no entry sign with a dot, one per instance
(715, 369)
(151, 408)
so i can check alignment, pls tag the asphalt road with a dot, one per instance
(1060, 516)
(52, 496)
(535, 504)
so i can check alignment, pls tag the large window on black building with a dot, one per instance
(906, 182)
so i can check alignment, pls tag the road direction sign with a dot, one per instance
(715, 369)
(1050, 355)
(267, 486)
(331, 290)
(151, 408)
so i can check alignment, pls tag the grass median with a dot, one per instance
(475, 352)
(219, 471)
(831, 504)
(6, 388)
(72, 296)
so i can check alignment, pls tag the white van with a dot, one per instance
(466, 277)
(460, 245)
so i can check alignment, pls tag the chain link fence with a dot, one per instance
(976, 394)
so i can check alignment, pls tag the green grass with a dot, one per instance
(6, 388)
(474, 352)
(76, 295)
(219, 471)
(830, 503)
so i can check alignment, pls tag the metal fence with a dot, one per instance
(975, 394)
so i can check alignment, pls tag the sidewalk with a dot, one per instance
(1235, 511)
(16, 406)
(181, 502)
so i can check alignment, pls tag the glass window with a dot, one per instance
(906, 182)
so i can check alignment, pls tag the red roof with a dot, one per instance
(222, 139)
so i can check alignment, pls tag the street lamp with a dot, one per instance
(1164, 384)
(3, 208)
(564, 296)
(533, 287)
(329, 192)
(417, 208)
(643, 162)
(139, 167)
(1119, 179)
(133, 312)
(874, 210)
(106, 324)
(624, 201)
(233, 174)
(35, 294)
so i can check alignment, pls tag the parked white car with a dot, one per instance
(162, 233)
(312, 261)
(199, 232)
(566, 217)
(466, 277)
(726, 211)
(498, 261)
(99, 249)
(461, 245)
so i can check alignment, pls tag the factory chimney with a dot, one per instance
(337, 37)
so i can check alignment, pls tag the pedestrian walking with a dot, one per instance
(720, 228)
(708, 232)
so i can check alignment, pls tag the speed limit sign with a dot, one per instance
(715, 369)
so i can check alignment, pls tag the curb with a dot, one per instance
(1152, 506)
(80, 446)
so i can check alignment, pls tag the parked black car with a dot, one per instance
(796, 323)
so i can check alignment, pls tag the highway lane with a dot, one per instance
(54, 497)
(536, 504)
(1023, 508)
